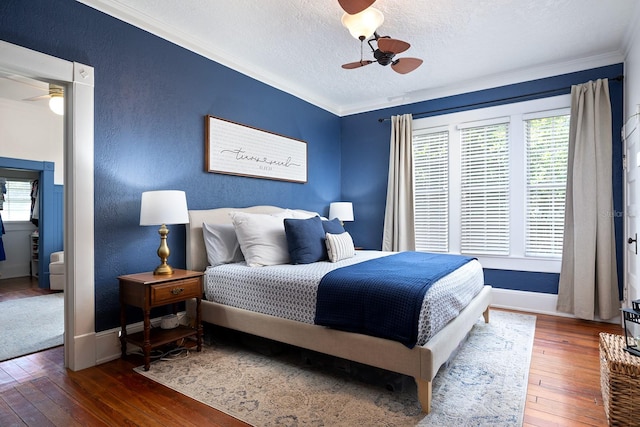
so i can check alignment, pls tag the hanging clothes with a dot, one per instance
(3, 191)
(3, 255)
(35, 204)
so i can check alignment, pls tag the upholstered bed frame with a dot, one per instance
(420, 362)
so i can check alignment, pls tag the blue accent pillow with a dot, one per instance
(305, 239)
(333, 227)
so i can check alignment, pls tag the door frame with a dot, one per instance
(79, 300)
(631, 149)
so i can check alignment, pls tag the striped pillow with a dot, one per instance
(339, 246)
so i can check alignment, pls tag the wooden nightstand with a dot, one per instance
(146, 290)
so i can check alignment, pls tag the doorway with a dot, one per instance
(77, 80)
(31, 304)
(38, 233)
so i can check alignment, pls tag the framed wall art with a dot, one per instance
(235, 149)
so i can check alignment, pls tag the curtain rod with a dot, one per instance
(559, 91)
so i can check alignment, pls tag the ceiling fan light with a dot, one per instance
(362, 25)
(56, 104)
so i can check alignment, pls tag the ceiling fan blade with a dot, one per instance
(357, 64)
(355, 6)
(392, 45)
(36, 84)
(406, 65)
(37, 98)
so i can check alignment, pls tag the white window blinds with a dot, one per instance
(431, 190)
(490, 183)
(547, 141)
(17, 201)
(485, 189)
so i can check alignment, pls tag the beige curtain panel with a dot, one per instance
(588, 285)
(399, 230)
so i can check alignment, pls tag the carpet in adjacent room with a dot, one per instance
(31, 324)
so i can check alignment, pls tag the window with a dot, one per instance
(484, 189)
(491, 183)
(431, 190)
(547, 140)
(17, 201)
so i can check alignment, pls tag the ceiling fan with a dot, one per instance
(16, 87)
(355, 6)
(55, 97)
(54, 90)
(384, 54)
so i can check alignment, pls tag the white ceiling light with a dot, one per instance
(56, 104)
(362, 25)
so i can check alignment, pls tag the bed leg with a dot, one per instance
(486, 315)
(424, 394)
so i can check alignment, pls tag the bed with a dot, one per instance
(421, 361)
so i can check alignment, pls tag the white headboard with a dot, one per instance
(196, 252)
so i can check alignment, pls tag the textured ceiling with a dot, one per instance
(299, 45)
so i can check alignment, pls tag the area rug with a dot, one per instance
(31, 324)
(485, 384)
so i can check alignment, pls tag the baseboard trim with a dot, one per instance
(533, 302)
(82, 353)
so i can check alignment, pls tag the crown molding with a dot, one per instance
(488, 82)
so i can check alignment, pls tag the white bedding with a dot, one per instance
(289, 291)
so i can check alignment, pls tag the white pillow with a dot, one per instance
(285, 213)
(262, 238)
(299, 214)
(339, 246)
(221, 243)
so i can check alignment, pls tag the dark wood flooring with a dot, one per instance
(21, 287)
(36, 390)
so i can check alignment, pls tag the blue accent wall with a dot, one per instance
(151, 98)
(365, 158)
(57, 223)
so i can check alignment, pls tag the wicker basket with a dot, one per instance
(619, 381)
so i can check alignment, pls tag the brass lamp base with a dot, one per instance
(163, 269)
(163, 253)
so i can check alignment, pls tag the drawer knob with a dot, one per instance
(177, 291)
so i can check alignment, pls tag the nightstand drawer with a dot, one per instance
(176, 291)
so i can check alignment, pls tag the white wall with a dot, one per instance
(30, 131)
(17, 244)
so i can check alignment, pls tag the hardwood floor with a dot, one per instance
(21, 287)
(36, 390)
(564, 377)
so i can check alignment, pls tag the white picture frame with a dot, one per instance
(235, 149)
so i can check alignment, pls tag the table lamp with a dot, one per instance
(162, 208)
(341, 210)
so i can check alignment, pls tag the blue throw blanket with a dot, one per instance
(382, 297)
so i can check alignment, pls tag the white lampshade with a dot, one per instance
(341, 210)
(56, 104)
(362, 25)
(163, 207)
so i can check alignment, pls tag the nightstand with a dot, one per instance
(146, 291)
